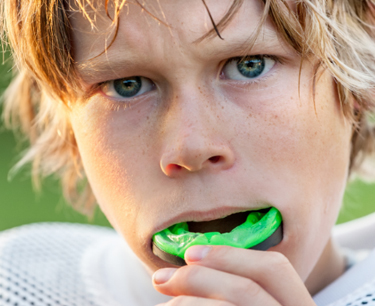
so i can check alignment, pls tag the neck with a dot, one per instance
(329, 267)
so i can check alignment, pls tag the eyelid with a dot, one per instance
(107, 88)
(277, 59)
(237, 59)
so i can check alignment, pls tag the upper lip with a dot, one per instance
(209, 215)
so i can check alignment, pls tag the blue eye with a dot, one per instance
(127, 87)
(250, 67)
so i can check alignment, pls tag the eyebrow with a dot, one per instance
(266, 39)
(88, 69)
(110, 63)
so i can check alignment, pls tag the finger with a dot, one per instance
(207, 283)
(194, 301)
(271, 270)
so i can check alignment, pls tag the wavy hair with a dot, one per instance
(339, 33)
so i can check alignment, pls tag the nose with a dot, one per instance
(195, 142)
(193, 157)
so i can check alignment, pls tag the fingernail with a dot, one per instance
(197, 252)
(163, 275)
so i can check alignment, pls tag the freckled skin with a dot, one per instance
(150, 162)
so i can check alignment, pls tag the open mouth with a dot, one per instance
(258, 230)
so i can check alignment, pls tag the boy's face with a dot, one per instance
(203, 139)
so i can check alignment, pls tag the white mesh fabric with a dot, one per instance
(365, 295)
(47, 264)
(39, 264)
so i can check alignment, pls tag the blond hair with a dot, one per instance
(339, 33)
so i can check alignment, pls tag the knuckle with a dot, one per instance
(247, 288)
(279, 260)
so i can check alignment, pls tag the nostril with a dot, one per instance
(214, 159)
(172, 167)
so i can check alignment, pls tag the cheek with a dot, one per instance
(111, 159)
(319, 148)
(299, 152)
(291, 136)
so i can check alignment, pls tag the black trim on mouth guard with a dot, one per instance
(271, 241)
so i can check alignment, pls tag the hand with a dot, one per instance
(227, 276)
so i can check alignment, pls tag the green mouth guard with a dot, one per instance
(261, 230)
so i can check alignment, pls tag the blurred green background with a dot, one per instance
(19, 204)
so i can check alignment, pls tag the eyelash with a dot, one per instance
(250, 81)
(114, 105)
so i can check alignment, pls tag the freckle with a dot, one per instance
(148, 117)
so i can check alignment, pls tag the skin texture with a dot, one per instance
(199, 146)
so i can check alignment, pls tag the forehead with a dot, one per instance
(158, 24)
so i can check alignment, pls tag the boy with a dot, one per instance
(171, 120)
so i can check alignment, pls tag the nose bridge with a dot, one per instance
(189, 114)
(190, 121)
(194, 139)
